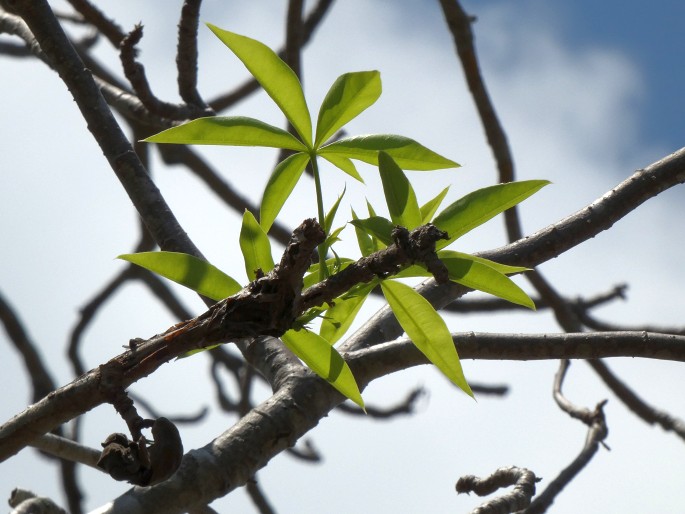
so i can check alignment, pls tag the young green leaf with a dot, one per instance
(477, 207)
(334, 265)
(330, 215)
(502, 268)
(476, 275)
(255, 246)
(407, 153)
(274, 75)
(399, 195)
(431, 206)
(280, 185)
(366, 246)
(324, 360)
(376, 226)
(339, 318)
(344, 164)
(349, 96)
(229, 131)
(426, 329)
(189, 271)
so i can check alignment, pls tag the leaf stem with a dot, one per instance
(323, 269)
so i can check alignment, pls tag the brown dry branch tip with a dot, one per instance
(138, 464)
(518, 498)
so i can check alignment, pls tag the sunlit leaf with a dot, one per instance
(325, 361)
(476, 275)
(477, 207)
(189, 271)
(255, 246)
(280, 185)
(426, 329)
(334, 266)
(399, 195)
(345, 165)
(366, 246)
(350, 95)
(340, 316)
(502, 268)
(274, 75)
(197, 350)
(429, 209)
(330, 215)
(229, 131)
(376, 226)
(407, 153)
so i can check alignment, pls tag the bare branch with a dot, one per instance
(186, 54)
(545, 244)
(258, 497)
(104, 25)
(41, 381)
(67, 449)
(145, 196)
(26, 502)
(135, 73)
(636, 404)
(407, 406)
(597, 432)
(518, 498)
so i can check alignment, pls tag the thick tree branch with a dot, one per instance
(545, 244)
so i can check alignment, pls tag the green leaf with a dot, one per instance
(334, 266)
(502, 268)
(255, 246)
(330, 216)
(280, 185)
(345, 165)
(229, 131)
(399, 195)
(325, 361)
(366, 246)
(407, 153)
(349, 96)
(426, 329)
(476, 275)
(340, 316)
(431, 206)
(274, 75)
(477, 207)
(189, 271)
(377, 227)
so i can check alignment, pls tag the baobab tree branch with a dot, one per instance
(544, 244)
(268, 306)
(232, 458)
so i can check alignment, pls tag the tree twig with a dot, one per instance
(517, 499)
(636, 404)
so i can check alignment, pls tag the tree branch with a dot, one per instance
(545, 244)
(145, 196)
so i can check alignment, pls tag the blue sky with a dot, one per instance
(650, 33)
(587, 92)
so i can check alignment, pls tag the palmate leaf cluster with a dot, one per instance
(349, 96)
